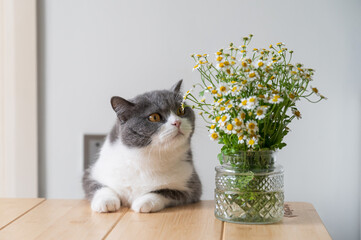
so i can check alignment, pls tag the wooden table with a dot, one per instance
(73, 219)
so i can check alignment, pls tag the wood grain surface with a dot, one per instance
(73, 219)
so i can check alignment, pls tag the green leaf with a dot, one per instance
(243, 180)
(220, 157)
(201, 93)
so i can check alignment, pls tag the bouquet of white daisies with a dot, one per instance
(248, 97)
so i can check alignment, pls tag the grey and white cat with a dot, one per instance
(146, 161)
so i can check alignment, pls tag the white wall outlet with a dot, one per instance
(92, 146)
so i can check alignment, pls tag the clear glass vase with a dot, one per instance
(249, 188)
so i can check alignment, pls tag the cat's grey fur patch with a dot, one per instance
(90, 185)
(137, 130)
(195, 186)
(183, 197)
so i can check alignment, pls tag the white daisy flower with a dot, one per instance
(238, 124)
(223, 88)
(251, 126)
(251, 142)
(196, 67)
(229, 107)
(275, 99)
(230, 129)
(214, 136)
(315, 90)
(212, 128)
(296, 113)
(241, 138)
(222, 109)
(242, 115)
(261, 112)
(259, 64)
(252, 75)
(234, 90)
(251, 102)
(224, 119)
(216, 119)
(243, 103)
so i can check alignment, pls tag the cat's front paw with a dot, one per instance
(150, 202)
(105, 200)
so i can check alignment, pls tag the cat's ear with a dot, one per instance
(176, 87)
(122, 107)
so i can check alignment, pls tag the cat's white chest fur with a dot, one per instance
(132, 172)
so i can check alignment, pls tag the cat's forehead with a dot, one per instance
(159, 99)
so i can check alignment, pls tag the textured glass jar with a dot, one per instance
(249, 188)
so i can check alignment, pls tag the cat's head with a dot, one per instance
(154, 118)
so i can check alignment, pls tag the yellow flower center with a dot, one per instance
(252, 100)
(244, 102)
(222, 108)
(251, 126)
(195, 66)
(272, 77)
(228, 71)
(226, 63)
(218, 118)
(214, 135)
(222, 88)
(244, 82)
(227, 102)
(243, 51)
(270, 46)
(209, 87)
(261, 96)
(224, 118)
(213, 126)
(219, 58)
(243, 115)
(219, 53)
(260, 64)
(291, 95)
(238, 122)
(229, 127)
(315, 90)
(243, 46)
(229, 106)
(240, 137)
(244, 64)
(234, 89)
(221, 65)
(214, 91)
(259, 112)
(252, 74)
(251, 142)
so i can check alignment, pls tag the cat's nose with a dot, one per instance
(177, 123)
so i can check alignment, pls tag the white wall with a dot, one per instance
(92, 50)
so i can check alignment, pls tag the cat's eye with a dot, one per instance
(155, 117)
(180, 111)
